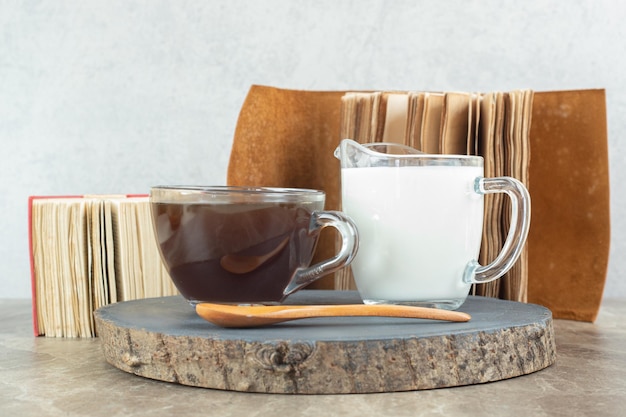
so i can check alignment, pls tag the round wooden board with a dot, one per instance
(163, 339)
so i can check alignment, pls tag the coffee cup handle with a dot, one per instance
(518, 230)
(349, 246)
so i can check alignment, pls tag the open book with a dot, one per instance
(87, 252)
(287, 138)
(493, 125)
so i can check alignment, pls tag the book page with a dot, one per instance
(109, 251)
(414, 120)
(155, 279)
(379, 116)
(456, 116)
(474, 123)
(496, 169)
(395, 118)
(99, 281)
(367, 117)
(80, 288)
(39, 236)
(61, 267)
(127, 251)
(347, 128)
(491, 108)
(363, 116)
(431, 123)
(511, 155)
(517, 151)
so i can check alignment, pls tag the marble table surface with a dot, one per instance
(69, 377)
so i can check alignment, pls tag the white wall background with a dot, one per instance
(110, 96)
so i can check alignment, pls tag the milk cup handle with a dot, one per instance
(518, 230)
(349, 246)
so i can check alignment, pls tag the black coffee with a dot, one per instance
(233, 253)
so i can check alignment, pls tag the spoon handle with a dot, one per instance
(226, 315)
(377, 310)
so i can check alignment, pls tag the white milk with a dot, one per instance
(419, 227)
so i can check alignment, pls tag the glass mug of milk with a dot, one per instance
(420, 222)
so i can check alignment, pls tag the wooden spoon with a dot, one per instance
(228, 315)
(242, 264)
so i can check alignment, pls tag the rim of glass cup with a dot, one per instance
(404, 156)
(231, 194)
(370, 148)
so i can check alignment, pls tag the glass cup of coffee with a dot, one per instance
(241, 245)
